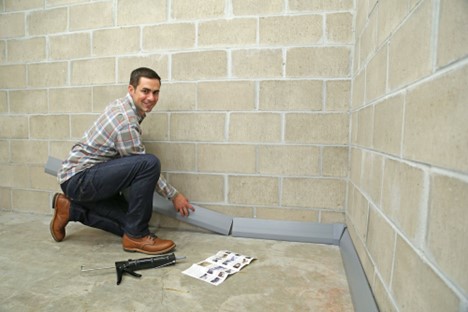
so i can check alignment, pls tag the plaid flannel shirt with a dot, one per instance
(116, 133)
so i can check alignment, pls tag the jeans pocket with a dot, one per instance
(85, 190)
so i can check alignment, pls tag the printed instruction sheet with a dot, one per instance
(217, 268)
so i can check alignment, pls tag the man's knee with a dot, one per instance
(152, 162)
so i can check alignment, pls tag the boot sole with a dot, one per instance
(150, 252)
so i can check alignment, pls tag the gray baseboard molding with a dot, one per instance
(361, 293)
(201, 217)
(295, 231)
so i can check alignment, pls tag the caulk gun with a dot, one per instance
(130, 266)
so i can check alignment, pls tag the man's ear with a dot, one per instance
(131, 89)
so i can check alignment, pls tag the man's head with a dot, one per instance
(144, 89)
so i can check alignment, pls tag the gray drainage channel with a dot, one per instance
(305, 232)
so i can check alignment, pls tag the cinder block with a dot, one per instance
(109, 41)
(197, 127)
(155, 127)
(49, 127)
(435, 122)
(339, 28)
(255, 127)
(338, 95)
(157, 62)
(359, 89)
(391, 14)
(376, 75)
(329, 5)
(291, 95)
(80, 123)
(368, 39)
(259, 7)
(3, 102)
(61, 149)
(20, 101)
(41, 181)
(284, 214)
(331, 217)
(20, 177)
(447, 244)
(416, 286)
(388, 120)
(188, 9)
(415, 36)
(4, 151)
(365, 126)
(289, 160)
(169, 36)
(30, 201)
(318, 62)
(7, 173)
(225, 95)
(130, 14)
(174, 156)
(28, 151)
(12, 25)
(200, 187)
(78, 100)
(178, 97)
(264, 63)
(317, 128)
(91, 16)
(2, 51)
(43, 22)
(5, 198)
(253, 190)
(232, 32)
(313, 193)
(193, 65)
(93, 71)
(27, 50)
(48, 74)
(103, 95)
(335, 161)
(355, 164)
(403, 198)
(69, 46)
(453, 32)
(301, 29)
(13, 5)
(380, 242)
(371, 175)
(14, 127)
(226, 158)
(358, 212)
(13, 76)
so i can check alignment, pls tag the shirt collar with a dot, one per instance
(134, 108)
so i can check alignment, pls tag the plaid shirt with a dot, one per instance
(116, 133)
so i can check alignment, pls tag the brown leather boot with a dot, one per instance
(149, 244)
(61, 204)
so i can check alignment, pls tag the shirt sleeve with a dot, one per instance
(165, 189)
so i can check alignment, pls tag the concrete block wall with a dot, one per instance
(253, 115)
(407, 195)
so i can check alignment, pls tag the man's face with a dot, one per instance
(146, 94)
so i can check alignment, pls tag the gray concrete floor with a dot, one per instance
(38, 274)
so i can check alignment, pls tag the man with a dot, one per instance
(107, 162)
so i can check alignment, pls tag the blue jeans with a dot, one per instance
(97, 200)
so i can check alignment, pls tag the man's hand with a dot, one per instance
(182, 205)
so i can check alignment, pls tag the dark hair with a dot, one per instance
(142, 72)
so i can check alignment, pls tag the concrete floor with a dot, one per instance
(38, 274)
